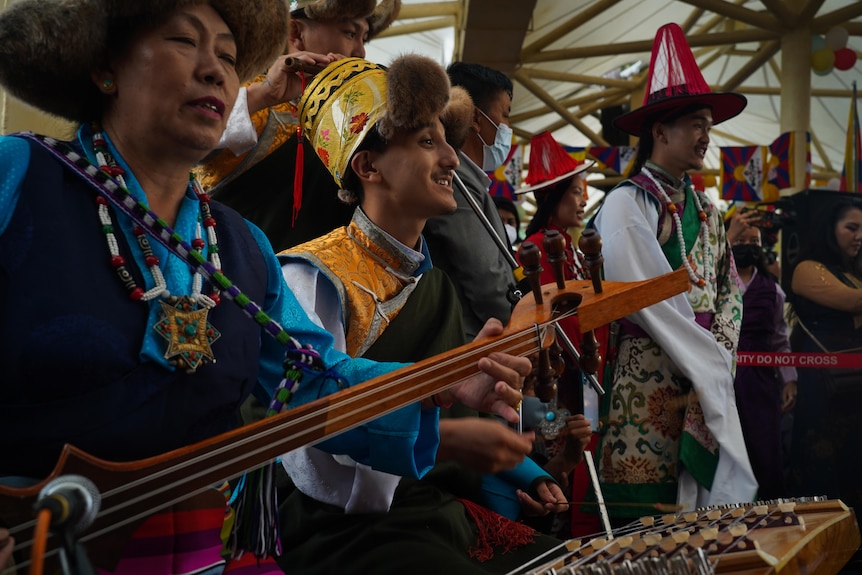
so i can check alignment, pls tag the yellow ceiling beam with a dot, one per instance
(639, 47)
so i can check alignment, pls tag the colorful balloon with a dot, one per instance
(845, 58)
(817, 42)
(836, 38)
(823, 60)
(710, 181)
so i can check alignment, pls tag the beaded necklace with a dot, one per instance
(183, 321)
(677, 224)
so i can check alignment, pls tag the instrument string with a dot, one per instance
(198, 467)
(685, 535)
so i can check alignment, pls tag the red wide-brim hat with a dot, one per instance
(675, 81)
(549, 164)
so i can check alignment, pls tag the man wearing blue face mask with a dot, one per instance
(459, 242)
(494, 155)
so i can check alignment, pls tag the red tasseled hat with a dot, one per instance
(549, 164)
(674, 80)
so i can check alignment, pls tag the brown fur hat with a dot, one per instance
(379, 15)
(418, 91)
(457, 117)
(49, 48)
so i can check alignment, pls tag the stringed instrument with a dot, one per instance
(132, 491)
(812, 536)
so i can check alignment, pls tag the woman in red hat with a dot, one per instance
(673, 433)
(558, 182)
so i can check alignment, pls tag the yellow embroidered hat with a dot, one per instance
(350, 97)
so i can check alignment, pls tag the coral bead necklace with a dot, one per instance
(699, 281)
(183, 321)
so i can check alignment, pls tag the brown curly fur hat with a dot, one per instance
(458, 117)
(417, 92)
(379, 15)
(49, 48)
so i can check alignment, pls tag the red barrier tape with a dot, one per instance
(809, 360)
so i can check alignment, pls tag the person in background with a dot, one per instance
(511, 220)
(558, 183)
(373, 284)
(763, 393)
(651, 224)
(256, 171)
(142, 355)
(826, 301)
(459, 242)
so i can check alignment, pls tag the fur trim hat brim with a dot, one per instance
(379, 15)
(417, 92)
(457, 118)
(50, 48)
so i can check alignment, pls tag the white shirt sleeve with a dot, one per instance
(239, 134)
(318, 298)
(334, 479)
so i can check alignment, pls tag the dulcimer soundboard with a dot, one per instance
(806, 536)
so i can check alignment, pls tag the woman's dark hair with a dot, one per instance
(374, 142)
(547, 201)
(645, 139)
(822, 245)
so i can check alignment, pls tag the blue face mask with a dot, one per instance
(494, 155)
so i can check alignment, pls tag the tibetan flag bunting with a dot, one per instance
(616, 158)
(742, 173)
(780, 169)
(507, 178)
(851, 180)
(781, 161)
(578, 154)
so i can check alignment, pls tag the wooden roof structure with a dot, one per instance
(576, 61)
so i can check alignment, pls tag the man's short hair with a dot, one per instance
(481, 82)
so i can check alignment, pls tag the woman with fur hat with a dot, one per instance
(268, 173)
(651, 224)
(374, 286)
(149, 347)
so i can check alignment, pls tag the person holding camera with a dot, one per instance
(763, 393)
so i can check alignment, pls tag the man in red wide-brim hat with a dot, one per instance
(672, 433)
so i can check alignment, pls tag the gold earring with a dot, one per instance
(107, 84)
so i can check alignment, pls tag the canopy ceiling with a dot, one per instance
(569, 60)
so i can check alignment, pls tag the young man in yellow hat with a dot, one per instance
(256, 173)
(372, 285)
(673, 436)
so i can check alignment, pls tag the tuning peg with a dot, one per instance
(591, 244)
(531, 259)
(555, 247)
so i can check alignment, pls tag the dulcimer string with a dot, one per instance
(207, 464)
(683, 530)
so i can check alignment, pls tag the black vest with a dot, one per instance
(70, 337)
